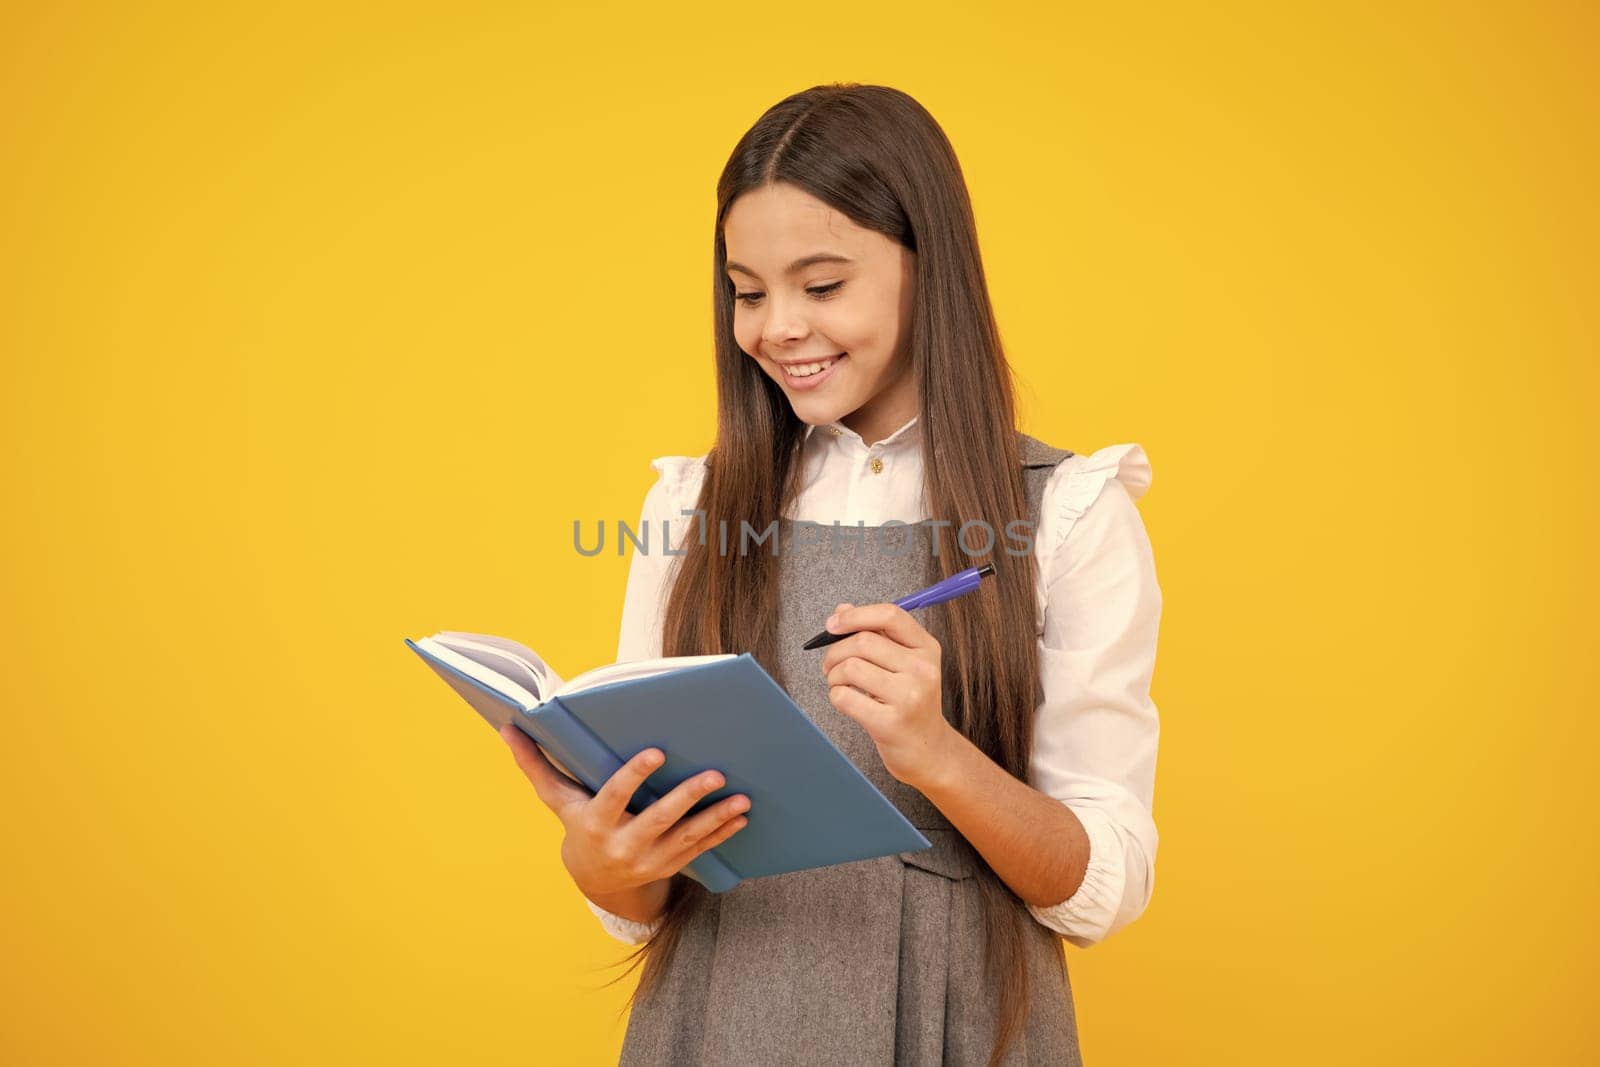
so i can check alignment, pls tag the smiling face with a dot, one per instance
(824, 306)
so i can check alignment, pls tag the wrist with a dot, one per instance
(641, 904)
(944, 767)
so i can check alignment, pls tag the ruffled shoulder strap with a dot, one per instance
(679, 481)
(1075, 484)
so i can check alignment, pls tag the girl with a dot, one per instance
(861, 381)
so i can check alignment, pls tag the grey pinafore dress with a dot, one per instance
(874, 962)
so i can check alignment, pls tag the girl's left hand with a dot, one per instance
(894, 661)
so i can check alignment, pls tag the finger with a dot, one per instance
(871, 646)
(555, 789)
(876, 682)
(611, 803)
(659, 817)
(831, 624)
(860, 707)
(687, 832)
(891, 619)
(718, 834)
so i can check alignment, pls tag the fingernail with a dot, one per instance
(833, 621)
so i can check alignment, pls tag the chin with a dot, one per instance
(817, 414)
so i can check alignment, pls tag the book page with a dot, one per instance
(644, 668)
(487, 676)
(521, 667)
(505, 657)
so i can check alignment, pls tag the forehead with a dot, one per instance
(769, 226)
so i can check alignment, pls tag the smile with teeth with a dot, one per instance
(806, 370)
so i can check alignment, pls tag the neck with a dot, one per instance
(873, 425)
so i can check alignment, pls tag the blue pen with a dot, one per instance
(958, 584)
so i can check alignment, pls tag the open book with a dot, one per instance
(809, 805)
(514, 670)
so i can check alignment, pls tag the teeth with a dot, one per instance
(806, 370)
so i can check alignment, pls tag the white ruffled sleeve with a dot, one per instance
(661, 523)
(1097, 730)
(624, 930)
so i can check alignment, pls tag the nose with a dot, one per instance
(783, 325)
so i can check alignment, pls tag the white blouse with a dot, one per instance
(1096, 731)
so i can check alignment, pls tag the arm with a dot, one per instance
(633, 917)
(1080, 848)
(1035, 844)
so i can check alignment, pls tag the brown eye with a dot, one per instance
(821, 292)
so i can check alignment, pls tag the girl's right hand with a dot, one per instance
(607, 850)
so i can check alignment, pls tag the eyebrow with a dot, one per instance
(798, 265)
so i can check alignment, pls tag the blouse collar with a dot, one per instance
(906, 435)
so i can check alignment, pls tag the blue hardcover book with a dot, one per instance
(809, 805)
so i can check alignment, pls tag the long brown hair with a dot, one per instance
(878, 157)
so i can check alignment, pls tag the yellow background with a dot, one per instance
(320, 326)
